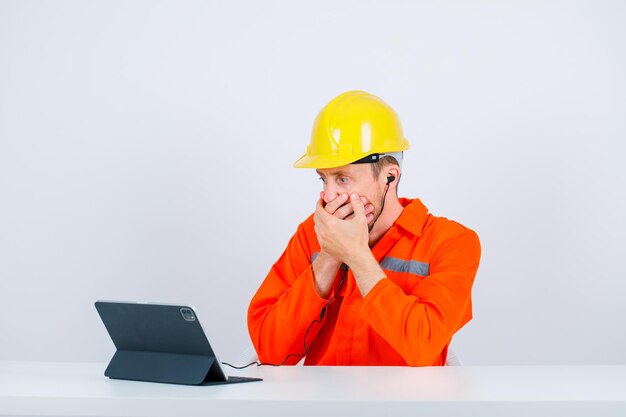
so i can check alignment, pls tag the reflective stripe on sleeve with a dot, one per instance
(397, 265)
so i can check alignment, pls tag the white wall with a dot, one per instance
(146, 151)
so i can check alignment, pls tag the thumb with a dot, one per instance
(358, 207)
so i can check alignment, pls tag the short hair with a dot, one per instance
(378, 166)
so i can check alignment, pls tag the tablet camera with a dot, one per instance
(187, 314)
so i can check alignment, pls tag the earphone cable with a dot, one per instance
(306, 348)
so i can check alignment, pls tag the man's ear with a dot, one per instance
(392, 174)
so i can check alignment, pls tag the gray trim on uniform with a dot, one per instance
(397, 265)
(400, 265)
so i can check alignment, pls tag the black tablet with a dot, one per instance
(161, 343)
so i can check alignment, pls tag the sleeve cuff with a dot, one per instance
(381, 290)
(309, 288)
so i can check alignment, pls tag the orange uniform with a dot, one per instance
(408, 318)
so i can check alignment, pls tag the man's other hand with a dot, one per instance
(341, 207)
(342, 239)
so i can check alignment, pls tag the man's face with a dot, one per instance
(348, 179)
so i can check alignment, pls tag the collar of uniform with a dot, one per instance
(413, 217)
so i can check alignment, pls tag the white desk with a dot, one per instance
(75, 389)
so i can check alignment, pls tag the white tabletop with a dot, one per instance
(80, 389)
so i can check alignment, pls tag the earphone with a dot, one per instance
(390, 179)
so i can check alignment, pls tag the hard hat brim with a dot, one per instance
(335, 161)
(320, 162)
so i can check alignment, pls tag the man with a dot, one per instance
(368, 279)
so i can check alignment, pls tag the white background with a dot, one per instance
(146, 151)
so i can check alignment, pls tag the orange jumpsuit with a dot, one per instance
(408, 318)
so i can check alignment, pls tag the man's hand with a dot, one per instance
(345, 239)
(325, 266)
(341, 207)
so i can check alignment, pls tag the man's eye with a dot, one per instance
(323, 180)
(342, 180)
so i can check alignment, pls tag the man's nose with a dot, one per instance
(330, 193)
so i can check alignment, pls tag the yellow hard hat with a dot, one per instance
(354, 127)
